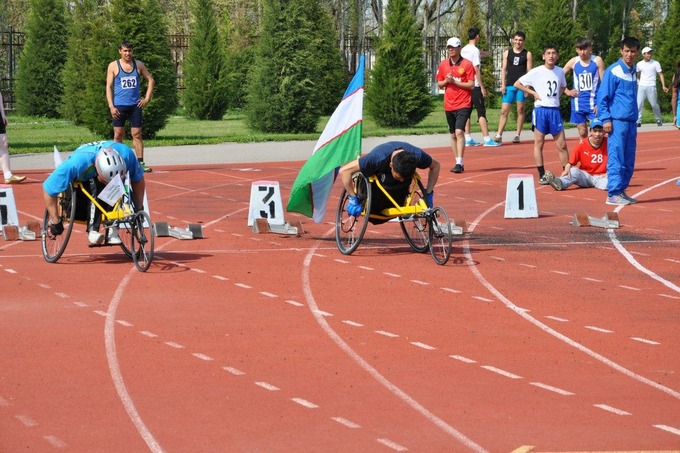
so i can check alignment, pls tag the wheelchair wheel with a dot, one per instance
(142, 241)
(349, 230)
(440, 235)
(53, 246)
(415, 227)
(125, 234)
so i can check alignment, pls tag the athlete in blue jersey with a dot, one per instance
(588, 71)
(94, 164)
(617, 109)
(122, 93)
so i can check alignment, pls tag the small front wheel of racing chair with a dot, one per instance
(53, 245)
(440, 235)
(349, 230)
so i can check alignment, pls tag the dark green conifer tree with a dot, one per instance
(397, 91)
(38, 86)
(205, 96)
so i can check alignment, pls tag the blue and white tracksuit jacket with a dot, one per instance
(617, 103)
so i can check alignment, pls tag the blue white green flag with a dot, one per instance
(340, 142)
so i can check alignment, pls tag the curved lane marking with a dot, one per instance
(521, 312)
(112, 358)
(375, 374)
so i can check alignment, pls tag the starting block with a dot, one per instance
(458, 227)
(193, 231)
(263, 226)
(609, 220)
(30, 232)
(8, 208)
(520, 197)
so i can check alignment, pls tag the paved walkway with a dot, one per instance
(268, 151)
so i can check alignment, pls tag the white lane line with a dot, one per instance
(420, 282)
(345, 422)
(669, 296)
(462, 359)
(555, 318)
(387, 334)
(220, 277)
(673, 261)
(243, 285)
(234, 371)
(325, 313)
(26, 420)
(265, 293)
(297, 304)
(349, 323)
(611, 409)
(374, 373)
(551, 388)
(451, 290)
(501, 372)
(80, 304)
(62, 295)
(483, 299)
(55, 441)
(389, 274)
(644, 340)
(10, 271)
(560, 272)
(198, 271)
(599, 329)
(531, 266)
(592, 279)
(632, 288)
(101, 313)
(668, 429)
(305, 403)
(198, 355)
(267, 386)
(423, 345)
(366, 268)
(392, 445)
(338, 260)
(172, 344)
(124, 323)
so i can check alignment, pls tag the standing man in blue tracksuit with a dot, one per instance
(617, 109)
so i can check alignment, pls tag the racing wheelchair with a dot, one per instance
(134, 228)
(424, 227)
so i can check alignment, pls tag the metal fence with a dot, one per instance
(13, 41)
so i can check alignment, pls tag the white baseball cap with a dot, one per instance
(453, 42)
(647, 50)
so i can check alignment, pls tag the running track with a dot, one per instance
(536, 336)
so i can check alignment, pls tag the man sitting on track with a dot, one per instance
(587, 166)
(95, 164)
(394, 164)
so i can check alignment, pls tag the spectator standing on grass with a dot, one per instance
(471, 52)
(123, 78)
(618, 110)
(587, 166)
(456, 76)
(546, 83)
(588, 71)
(675, 83)
(647, 69)
(516, 62)
(4, 149)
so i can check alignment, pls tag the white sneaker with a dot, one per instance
(95, 238)
(113, 239)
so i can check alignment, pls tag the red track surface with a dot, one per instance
(536, 336)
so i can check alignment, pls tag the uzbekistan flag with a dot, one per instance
(340, 142)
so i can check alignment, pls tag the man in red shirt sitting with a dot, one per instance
(587, 166)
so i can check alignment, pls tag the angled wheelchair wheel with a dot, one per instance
(142, 242)
(415, 227)
(440, 235)
(349, 230)
(125, 234)
(53, 246)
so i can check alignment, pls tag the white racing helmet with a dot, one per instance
(108, 164)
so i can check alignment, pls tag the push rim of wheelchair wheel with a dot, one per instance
(53, 246)
(440, 235)
(415, 227)
(142, 240)
(349, 230)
